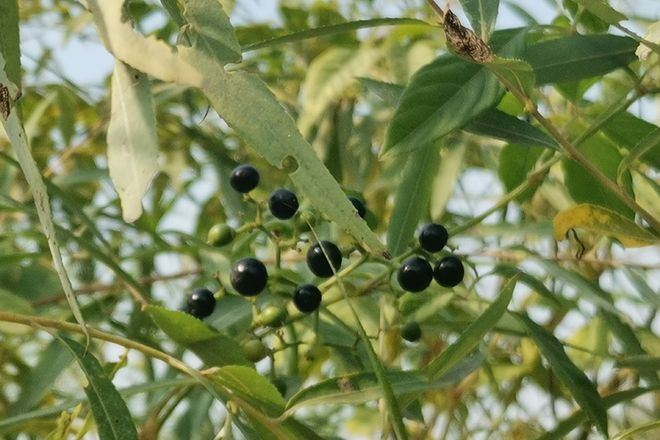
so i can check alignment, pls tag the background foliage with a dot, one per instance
(541, 161)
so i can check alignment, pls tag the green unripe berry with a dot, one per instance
(254, 350)
(272, 316)
(220, 234)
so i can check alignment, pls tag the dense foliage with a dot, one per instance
(352, 219)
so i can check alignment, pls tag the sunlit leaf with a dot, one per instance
(482, 15)
(602, 10)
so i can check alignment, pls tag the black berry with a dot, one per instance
(307, 298)
(415, 274)
(317, 261)
(244, 178)
(411, 332)
(359, 205)
(201, 303)
(283, 203)
(449, 271)
(433, 237)
(248, 276)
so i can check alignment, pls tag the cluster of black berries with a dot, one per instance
(249, 276)
(416, 273)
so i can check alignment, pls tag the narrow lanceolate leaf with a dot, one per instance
(500, 125)
(579, 57)
(328, 77)
(112, 418)
(358, 388)
(482, 15)
(132, 140)
(18, 139)
(444, 96)
(212, 347)
(9, 40)
(602, 10)
(412, 196)
(604, 222)
(578, 384)
(473, 335)
(246, 104)
(580, 416)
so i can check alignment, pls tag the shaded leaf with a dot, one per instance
(515, 164)
(604, 222)
(212, 347)
(501, 125)
(251, 387)
(578, 384)
(9, 40)
(579, 57)
(110, 412)
(473, 334)
(412, 196)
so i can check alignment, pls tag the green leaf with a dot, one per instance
(37, 383)
(473, 334)
(132, 140)
(629, 131)
(443, 96)
(250, 386)
(587, 289)
(331, 30)
(9, 40)
(328, 77)
(358, 388)
(451, 166)
(585, 188)
(210, 30)
(578, 384)
(412, 196)
(390, 93)
(500, 125)
(580, 416)
(644, 147)
(17, 138)
(482, 15)
(515, 164)
(579, 57)
(641, 286)
(602, 10)
(213, 348)
(109, 409)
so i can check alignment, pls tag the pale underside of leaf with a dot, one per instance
(132, 140)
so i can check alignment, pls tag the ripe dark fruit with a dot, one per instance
(273, 316)
(433, 237)
(317, 261)
(307, 298)
(254, 350)
(415, 274)
(283, 203)
(201, 303)
(411, 332)
(359, 205)
(449, 271)
(244, 178)
(220, 234)
(248, 276)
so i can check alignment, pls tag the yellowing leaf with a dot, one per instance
(602, 221)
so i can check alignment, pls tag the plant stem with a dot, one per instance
(577, 155)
